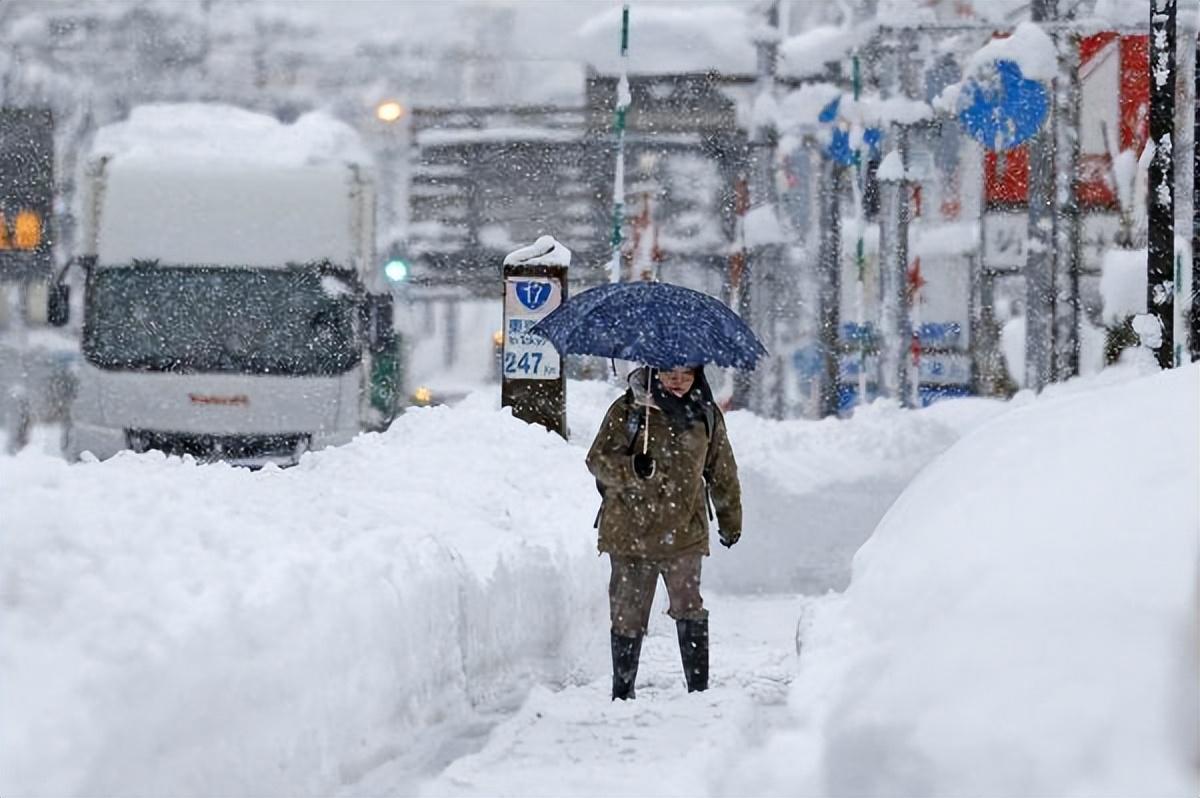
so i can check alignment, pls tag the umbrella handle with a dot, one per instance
(646, 436)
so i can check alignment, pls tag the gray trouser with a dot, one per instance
(631, 590)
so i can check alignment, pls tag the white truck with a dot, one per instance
(233, 307)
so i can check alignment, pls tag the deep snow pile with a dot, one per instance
(1022, 622)
(814, 490)
(172, 628)
(176, 629)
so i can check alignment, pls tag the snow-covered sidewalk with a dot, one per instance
(576, 742)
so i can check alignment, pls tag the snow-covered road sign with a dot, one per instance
(1003, 108)
(526, 302)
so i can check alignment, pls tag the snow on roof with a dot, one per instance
(900, 110)
(665, 40)
(217, 132)
(444, 136)
(1030, 47)
(807, 53)
(802, 106)
(546, 251)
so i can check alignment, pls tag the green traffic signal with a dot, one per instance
(396, 270)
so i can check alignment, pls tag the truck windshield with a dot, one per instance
(296, 321)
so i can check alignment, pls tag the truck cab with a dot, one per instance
(233, 308)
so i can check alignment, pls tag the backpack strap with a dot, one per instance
(633, 423)
(632, 427)
(710, 424)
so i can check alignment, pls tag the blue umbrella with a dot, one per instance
(659, 324)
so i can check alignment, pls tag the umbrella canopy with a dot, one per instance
(659, 324)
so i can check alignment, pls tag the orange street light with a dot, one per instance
(389, 111)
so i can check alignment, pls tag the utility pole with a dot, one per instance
(1067, 215)
(894, 216)
(1040, 260)
(1195, 326)
(1160, 260)
(829, 296)
(757, 304)
(1184, 153)
(619, 111)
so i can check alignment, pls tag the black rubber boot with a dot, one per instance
(625, 653)
(693, 650)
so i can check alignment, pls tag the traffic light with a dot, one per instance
(396, 270)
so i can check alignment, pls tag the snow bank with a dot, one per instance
(814, 490)
(1022, 622)
(179, 629)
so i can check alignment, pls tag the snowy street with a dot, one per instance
(572, 740)
(369, 634)
(365, 365)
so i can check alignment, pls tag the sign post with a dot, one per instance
(532, 382)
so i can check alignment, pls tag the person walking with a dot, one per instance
(660, 458)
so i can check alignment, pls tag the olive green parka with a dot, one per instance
(666, 514)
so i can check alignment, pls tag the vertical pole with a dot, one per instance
(1040, 260)
(622, 105)
(1160, 260)
(1067, 318)
(893, 272)
(860, 259)
(759, 305)
(1195, 325)
(1185, 117)
(830, 283)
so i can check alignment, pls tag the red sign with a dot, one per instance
(1114, 102)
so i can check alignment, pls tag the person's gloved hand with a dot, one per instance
(643, 465)
(728, 538)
